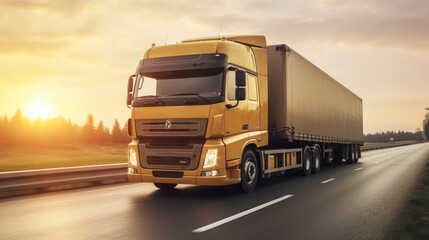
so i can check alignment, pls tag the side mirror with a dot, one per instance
(129, 99)
(240, 94)
(240, 78)
(130, 89)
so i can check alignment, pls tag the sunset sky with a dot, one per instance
(72, 58)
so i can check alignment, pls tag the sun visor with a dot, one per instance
(184, 62)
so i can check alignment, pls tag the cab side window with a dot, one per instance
(253, 88)
(230, 86)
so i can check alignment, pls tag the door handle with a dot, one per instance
(245, 126)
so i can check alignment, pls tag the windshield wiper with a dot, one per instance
(193, 94)
(152, 96)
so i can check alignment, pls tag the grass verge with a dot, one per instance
(418, 225)
(16, 158)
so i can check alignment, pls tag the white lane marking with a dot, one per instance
(389, 157)
(377, 162)
(238, 215)
(329, 180)
(357, 169)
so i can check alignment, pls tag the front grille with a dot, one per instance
(185, 161)
(170, 143)
(171, 127)
(170, 153)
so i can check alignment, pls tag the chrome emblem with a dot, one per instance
(168, 124)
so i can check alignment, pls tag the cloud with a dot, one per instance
(41, 41)
(381, 7)
(409, 33)
(380, 23)
(59, 6)
(29, 47)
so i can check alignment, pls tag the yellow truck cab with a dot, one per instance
(199, 115)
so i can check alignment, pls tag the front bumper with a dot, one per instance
(188, 178)
(226, 176)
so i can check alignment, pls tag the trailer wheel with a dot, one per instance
(317, 161)
(306, 161)
(249, 172)
(355, 153)
(350, 154)
(358, 153)
(165, 186)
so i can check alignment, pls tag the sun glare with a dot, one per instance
(39, 109)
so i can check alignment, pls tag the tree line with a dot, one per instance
(418, 134)
(58, 130)
(395, 136)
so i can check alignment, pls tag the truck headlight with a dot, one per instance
(133, 157)
(211, 158)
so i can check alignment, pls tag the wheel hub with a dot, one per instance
(317, 161)
(250, 170)
(307, 161)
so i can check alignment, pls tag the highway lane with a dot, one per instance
(366, 200)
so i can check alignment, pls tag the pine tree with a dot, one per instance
(125, 137)
(116, 132)
(426, 126)
(71, 131)
(3, 128)
(15, 128)
(103, 134)
(418, 134)
(88, 131)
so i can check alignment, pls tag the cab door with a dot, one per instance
(253, 103)
(236, 118)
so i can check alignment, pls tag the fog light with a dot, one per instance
(210, 173)
(132, 170)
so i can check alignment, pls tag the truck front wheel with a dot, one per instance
(165, 186)
(249, 172)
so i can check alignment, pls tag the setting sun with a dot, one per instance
(39, 109)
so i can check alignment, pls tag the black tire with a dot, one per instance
(165, 186)
(358, 154)
(317, 160)
(355, 153)
(249, 172)
(306, 161)
(359, 151)
(350, 159)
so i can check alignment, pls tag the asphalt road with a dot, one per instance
(367, 200)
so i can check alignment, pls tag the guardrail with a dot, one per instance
(24, 182)
(31, 181)
(369, 148)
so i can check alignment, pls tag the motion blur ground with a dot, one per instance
(417, 226)
(358, 204)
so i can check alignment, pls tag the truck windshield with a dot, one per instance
(202, 83)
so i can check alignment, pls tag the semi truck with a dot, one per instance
(231, 110)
